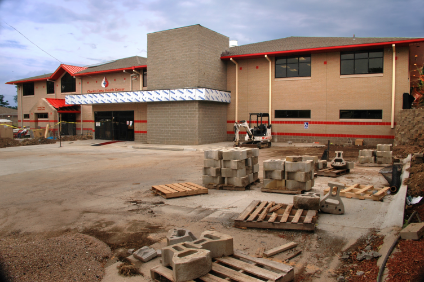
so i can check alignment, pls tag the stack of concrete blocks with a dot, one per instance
(366, 156)
(274, 174)
(299, 175)
(383, 154)
(318, 164)
(192, 259)
(212, 167)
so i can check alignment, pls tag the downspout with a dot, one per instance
(392, 125)
(141, 78)
(81, 108)
(269, 95)
(22, 103)
(237, 69)
(130, 80)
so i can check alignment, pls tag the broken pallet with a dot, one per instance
(238, 267)
(176, 190)
(263, 214)
(332, 172)
(362, 192)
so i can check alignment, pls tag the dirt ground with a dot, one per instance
(55, 209)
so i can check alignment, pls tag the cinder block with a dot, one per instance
(382, 160)
(215, 154)
(384, 147)
(310, 158)
(228, 172)
(255, 152)
(179, 235)
(211, 163)
(299, 176)
(212, 171)
(207, 179)
(249, 169)
(350, 165)
(255, 176)
(305, 166)
(234, 164)
(414, 231)
(274, 174)
(294, 158)
(274, 184)
(296, 185)
(274, 164)
(255, 168)
(218, 244)
(322, 164)
(307, 201)
(233, 154)
(365, 160)
(248, 162)
(255, 160)
(237, 181)
(186, 263)
(366, 153)
(250, 177)
(145, 254)
(383, 154)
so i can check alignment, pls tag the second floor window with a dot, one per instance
(361, 62)
(28, 89)
(293, 66)
(50, 87)
(68, 83)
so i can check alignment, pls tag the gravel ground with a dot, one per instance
(68, 257)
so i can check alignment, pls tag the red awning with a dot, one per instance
(61, 107)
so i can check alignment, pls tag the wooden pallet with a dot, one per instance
(231, 187)
(271, 215)
(281, 191)
(362, 192)
(332, 172)
(176, 190)
(238, 267)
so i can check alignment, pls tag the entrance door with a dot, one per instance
(69, 127)
(114, 125)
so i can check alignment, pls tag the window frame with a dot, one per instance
(68, 81)
(293, 112)
(27, 88)
(49, 85)
(38, 115)
(357, 58)
(26, 116)
(367, 117)
(292, 62)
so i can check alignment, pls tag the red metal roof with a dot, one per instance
(113, 70)
(57, 103)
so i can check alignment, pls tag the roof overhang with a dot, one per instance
(112, 70)
(324, 49)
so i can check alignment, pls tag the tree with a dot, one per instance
(3, 103)
(15, 98)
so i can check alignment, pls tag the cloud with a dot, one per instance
(12, 44)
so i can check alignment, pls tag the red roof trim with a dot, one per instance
(112, 70)
(69, 112)
(254, 55)
(29, 80)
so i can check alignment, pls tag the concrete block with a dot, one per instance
(234, 164)
(310, 158)
(186, 263)
(298, 176)
(366, 153)
(248, 162)
(382, 160)
(333, 203)
(384, 154)
(255, 160)
(215, 154)
(365, 160)
(255, 176)
(237, 181)
(212, 171)
(255, 168)
(228, 172)
(414, 231)
(322, 164)
(255, 152)
(294, 158)
(207, 179)
(179, 235)
(145, 254)
(305, 166)
(233, 154)
(250, 177)
(249, 169)
(307, 201)
(211, 163)
(274, 164)
(274, 174)
(218, 244)
(296, 185)
(350, 165)
(274, 184)
(384, 147)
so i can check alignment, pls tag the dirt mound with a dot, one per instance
(76, 137)
(69, 257)
(415, 181)
(402, 151)
(8, 142)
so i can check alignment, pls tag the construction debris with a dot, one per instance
(179, 235)
(414, 231)
(307, 201)
(145, 254)
(332, 203)
(362, 192)
(280, 249)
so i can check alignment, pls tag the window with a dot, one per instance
(292, 113)
(28, 89)
(361, 62)
(293, 66)
(50, 87)
(144, 78)
(42, 115)
(361, 114)
(68, 83)
(26, 116)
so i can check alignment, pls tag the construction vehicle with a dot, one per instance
(257, 136)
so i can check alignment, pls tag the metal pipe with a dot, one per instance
(237, 68)
(269, 102)
(392, 121)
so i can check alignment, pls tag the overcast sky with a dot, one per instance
(88, 32)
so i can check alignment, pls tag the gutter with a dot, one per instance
(237, 69)
(270, 73)
(392, 120)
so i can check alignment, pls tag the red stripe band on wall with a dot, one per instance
(142, 132)
(40, 120)
(325, 122)
(140, 121)
(328, 135)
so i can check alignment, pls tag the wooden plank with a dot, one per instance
(249, 268)
(212, 278)
(257, 211)
(309, 215)
(265, 262)
(185, 187)
(248, 210)
(286, 213)
(297, 216)
(235, 275)
(275, 225)
(265, 211)
(362, 190)
(280, 249)
(177, 188)
(273, 217)
(195, 185)
(381, 192)
(276, 207)
(350, 188)
(163, 189)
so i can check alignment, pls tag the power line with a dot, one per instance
(32, 42)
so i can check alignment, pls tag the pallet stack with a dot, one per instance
(366, 156)
(318, 164)
(235, 167)
(274, 177)
(383, 154)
